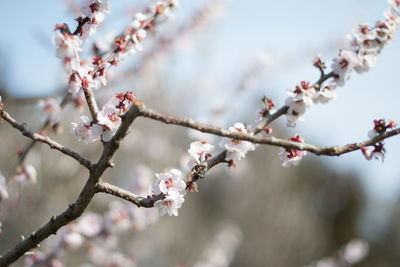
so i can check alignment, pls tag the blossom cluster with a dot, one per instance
(360, 54)
(80, 74)
(236, 149)
(172, 186)
(107, 122)
(290, 157)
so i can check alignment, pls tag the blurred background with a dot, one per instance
(212, 61)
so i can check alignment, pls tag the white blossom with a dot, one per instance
(166, 182)
(200, 151)
(170, 204)
(83, 130)
(68, 45)
(343, 64)
(290, 157)
(237, 149)
(326, 93)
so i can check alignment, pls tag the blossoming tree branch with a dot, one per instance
(111, 123)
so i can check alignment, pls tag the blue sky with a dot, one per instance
(295, 30)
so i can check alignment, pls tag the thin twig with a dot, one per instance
(45, 139)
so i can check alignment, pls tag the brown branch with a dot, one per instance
(45, 139)
(318, 150)
(103, 187)
(91, 102)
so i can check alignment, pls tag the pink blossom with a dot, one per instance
(236, 149)
(290, 157)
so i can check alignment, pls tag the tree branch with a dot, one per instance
(103, 187)
(77, 208)
(318, 150)
(45, 139)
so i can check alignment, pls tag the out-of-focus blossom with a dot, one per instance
(51, 107)
(28, 174)
(355, 251)
(70, 238)
(3, 187)
(117, 218)
(90, 224)
(38, 258)
(220, 250)
(104, 257)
